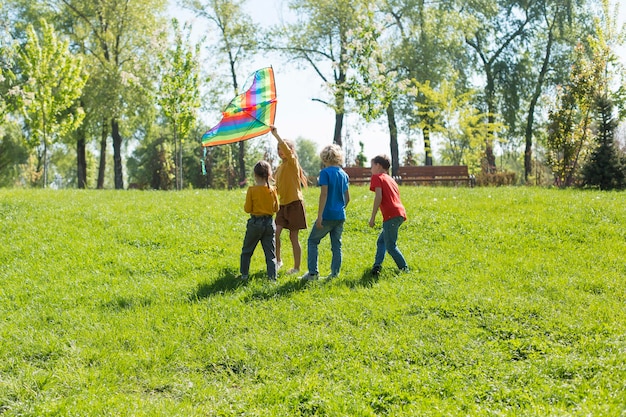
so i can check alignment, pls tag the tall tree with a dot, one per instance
(235, 44)
(179, 94)
(557, 27)
(376, 81)
(53, 80)
(569, 130)
(426, 46)
(117, 35)
(492, 29)
(320, 38)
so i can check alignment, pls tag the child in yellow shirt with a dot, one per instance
(291, 215)
(261, 203)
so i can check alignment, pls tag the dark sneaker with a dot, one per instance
(405, 270)
(376, 270)
(242, 278)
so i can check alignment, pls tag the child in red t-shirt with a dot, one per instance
(387, 198)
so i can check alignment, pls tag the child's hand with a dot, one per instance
(372, 222)
(274, 131)
(318, 223)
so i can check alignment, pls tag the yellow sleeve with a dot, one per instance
(248, 204)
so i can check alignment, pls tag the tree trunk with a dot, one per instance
(528, 151)
(117, 154)
(338, 128)
(490, 158)
(428, 151)
(81, 158)
(103, 155)
(393, 139)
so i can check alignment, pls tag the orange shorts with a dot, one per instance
(292, 216)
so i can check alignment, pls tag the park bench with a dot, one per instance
(418, 175)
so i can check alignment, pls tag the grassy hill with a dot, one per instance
(122, 303)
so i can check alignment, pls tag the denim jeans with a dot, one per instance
(259, 229)
(387, 242)
(335, 228)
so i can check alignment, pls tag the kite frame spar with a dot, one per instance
(248, 115)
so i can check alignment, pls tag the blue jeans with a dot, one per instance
(387, 242)
(335, 228)
(259, 229)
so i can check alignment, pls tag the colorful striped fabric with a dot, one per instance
(248, 115)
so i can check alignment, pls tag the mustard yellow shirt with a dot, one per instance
(288, 177)
(261, 200)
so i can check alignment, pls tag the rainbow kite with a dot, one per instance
(248, 115)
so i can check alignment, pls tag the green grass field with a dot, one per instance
(124, 303)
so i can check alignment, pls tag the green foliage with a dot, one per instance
(604, 168)
(152, 165)
(125, 303)
(13, 153)
(455, 119)
(179, 94)
(361, 159)
(53, 79)
(569, 128)
(308, 156)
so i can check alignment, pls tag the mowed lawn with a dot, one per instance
(125, 303)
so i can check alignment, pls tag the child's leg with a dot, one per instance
(380, 248)
(297, 249)
(269, 249)
(335, 247)
(253, 235)
(278, 230)
(390, 231)
(314, 240)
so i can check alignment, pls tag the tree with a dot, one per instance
(308, 156)
(117, 37)
(493, 27)
(425, 45)
(320, 38)
(604, 168)
(236, 43)
(569, 129)
(53, 80)
(456, 120)
(179, 95)
(550, 30)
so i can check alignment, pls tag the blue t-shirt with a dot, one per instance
(337, 181)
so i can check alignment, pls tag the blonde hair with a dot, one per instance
(332, 155)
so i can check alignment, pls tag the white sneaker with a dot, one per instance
(279, 265)
(309, 277)
(293, 271)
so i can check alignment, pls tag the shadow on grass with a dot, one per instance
(273, 290)
(367, 280)
(226, 282)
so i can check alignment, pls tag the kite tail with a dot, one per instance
(203, 165)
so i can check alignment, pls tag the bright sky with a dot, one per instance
(297, 115)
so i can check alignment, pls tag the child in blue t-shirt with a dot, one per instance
(331, 215)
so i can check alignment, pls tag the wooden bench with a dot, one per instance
(417, 175)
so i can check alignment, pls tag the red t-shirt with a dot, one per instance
(390, 206)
